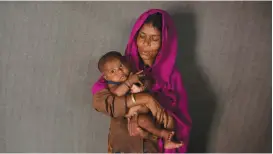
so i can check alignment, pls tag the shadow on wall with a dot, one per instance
(201, 98)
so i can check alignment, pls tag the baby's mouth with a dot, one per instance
(124, 76)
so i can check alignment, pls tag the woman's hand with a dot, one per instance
(157, 111)
(152, 104)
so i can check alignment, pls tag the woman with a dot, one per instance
(152, 47)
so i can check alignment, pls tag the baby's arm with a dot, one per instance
(119, 90)
(146, 84)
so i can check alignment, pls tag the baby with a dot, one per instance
(117, 72)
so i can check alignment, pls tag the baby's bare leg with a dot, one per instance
(143, 109)
(146, 122)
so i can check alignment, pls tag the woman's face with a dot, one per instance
(148, 42)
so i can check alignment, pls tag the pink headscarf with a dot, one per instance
(168, 87)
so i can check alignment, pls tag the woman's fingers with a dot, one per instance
(160, 114)
(157, 116)
(156, 110)
(166, 120)
(129, 127)
(162, 117)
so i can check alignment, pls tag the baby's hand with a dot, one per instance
(137, 89)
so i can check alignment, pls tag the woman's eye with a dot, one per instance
(141, 35)
(112, 71)
(155, 38)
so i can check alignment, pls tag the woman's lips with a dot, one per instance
(144, 53)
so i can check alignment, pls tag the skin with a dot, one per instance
(148, 43)
(115, 71)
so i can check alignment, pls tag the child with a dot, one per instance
(117, 72)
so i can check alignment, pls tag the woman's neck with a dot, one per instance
(148, 62)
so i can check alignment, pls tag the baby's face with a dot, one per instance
(115, 71)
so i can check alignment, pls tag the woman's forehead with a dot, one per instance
(149, 29)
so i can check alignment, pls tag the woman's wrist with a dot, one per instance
(133, 98)
(140, 99)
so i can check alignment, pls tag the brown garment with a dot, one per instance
(119, 139)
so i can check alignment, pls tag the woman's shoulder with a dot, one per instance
(99, 85)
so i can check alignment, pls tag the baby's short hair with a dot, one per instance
(108, 56)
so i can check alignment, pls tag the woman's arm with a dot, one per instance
(116, 106)
(106, 102)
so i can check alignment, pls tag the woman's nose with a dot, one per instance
(147, 41)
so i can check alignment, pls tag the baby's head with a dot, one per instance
(113, 67)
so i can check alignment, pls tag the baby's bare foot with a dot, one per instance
(172, 145)
(167, 135)
(170, 136)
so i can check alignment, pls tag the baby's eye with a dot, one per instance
(112, 71)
